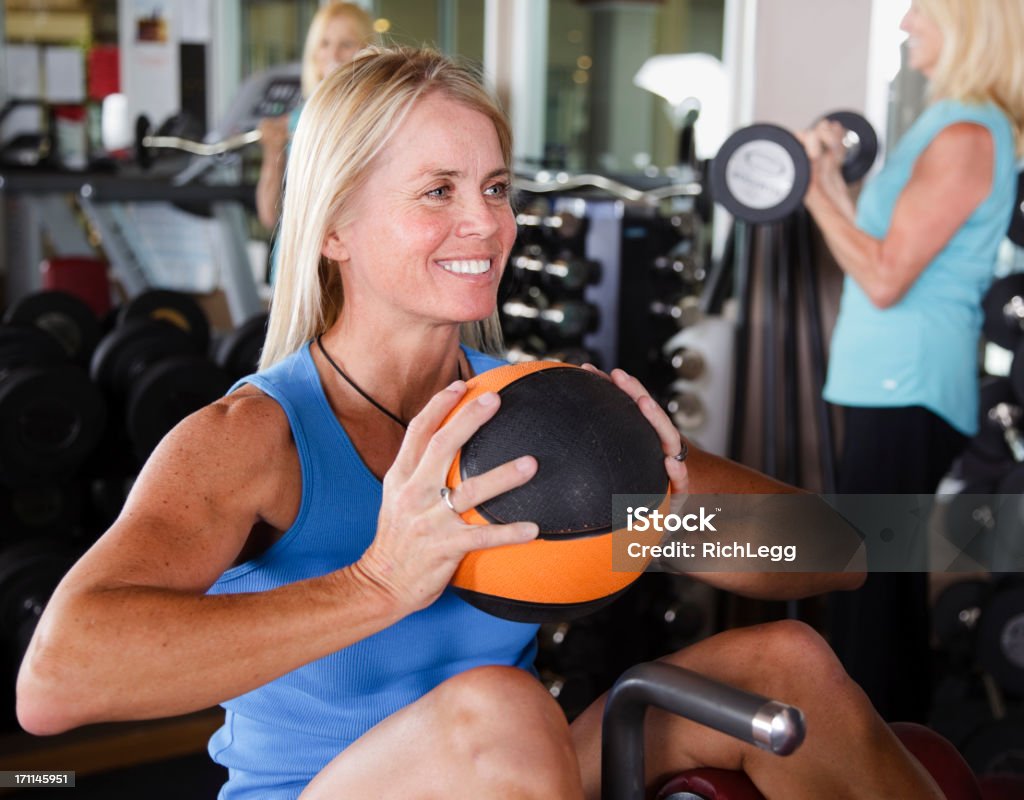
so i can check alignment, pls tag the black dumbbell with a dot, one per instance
(29, 572)
(62, 315)
(999, 436)
(41, 510)
(761, 173)
(158, 373)
(1003, 308)
(687, 267)
(238, 353)
(176, 308)
(955, 616)
(51, 416)
(680, 311)
(557, 226)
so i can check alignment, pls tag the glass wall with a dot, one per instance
(596, 117)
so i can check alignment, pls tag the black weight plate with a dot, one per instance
(238, 353)
(39, 510)
(51, 419)
(166, 394)
(760, 174)
(1000, 643)
(124, 354)
(22, 346)
(29, 572)
(861, 157)
(177, 308)
(1016, 231)
(1001, 324)
(957, 612)
(62, 315)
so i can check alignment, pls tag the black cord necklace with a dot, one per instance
(364, 395)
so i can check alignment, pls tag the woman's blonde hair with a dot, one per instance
(328, 11)
(982, 56)
(344, 126)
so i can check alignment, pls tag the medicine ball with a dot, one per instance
(591, 442)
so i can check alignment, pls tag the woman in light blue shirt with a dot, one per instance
(918, 252)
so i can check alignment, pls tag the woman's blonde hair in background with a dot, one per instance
(982, 56)
(357, 14)
(346, 123)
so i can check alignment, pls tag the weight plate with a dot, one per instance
(238, 353)
(1003, 306)
(177, 308)
(29, 572)
(1000, 643)
(1016, 231)
(39, 510)
(166, 394)
(123, 355)
(62, 315)
(761, 174)
(22, 346)
(51, 419)
(861, 155)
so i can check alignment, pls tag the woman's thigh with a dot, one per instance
(488, 732)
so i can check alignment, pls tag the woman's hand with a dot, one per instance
(668, 434)
(826, 152)
(420, 540)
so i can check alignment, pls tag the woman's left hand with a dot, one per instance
(671, 440)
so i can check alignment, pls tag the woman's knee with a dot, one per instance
(503, 720)
(787, 660)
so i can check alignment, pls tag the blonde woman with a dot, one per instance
(919, 251)
(286, 552)
(336, 33)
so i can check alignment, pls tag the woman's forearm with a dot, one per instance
(138, 652)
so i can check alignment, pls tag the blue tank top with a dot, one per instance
(924, 349)
(277, 737)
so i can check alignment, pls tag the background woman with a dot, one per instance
(919, 251)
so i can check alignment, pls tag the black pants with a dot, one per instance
(880, 632)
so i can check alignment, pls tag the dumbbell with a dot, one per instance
(999, 437)
(678, 312)
(558, 322)
(238, 353)
(687, 267)
(955, 615)
(51, 416)
(684, 408)
(568, 273)
(65, 317)
(29, 572)
(761, 173)
(557, 226)
(157, 371)
(1003, 308)
(41, 510)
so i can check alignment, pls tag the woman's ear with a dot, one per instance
(334, 248)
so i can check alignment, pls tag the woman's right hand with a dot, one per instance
(420, 540)
(273, 135)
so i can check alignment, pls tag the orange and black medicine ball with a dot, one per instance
(591, 442)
